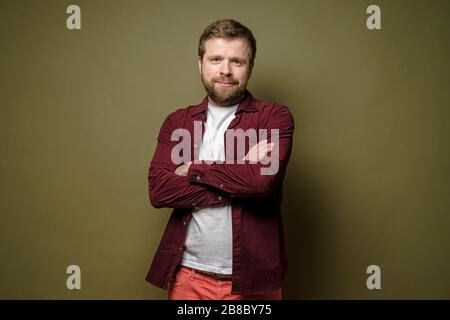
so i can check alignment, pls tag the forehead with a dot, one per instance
(237, 47)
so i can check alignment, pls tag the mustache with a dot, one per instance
(226, 80)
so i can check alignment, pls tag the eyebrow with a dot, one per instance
(232, 58)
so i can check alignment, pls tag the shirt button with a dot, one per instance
(221, 185)
(195, 145)
(184, 222)
(220, 198)
(181, 248)
(198, 177)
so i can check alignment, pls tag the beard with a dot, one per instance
(225, 96)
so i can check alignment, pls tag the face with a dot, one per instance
(225, 69)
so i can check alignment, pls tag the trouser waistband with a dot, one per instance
(213, 274)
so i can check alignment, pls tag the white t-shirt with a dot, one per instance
(209, 241)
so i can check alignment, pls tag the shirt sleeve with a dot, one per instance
(246, 179)
(169, 190)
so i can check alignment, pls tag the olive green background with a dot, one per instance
(368, 182)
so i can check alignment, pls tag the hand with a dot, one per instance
(259, 151)
(183, 169)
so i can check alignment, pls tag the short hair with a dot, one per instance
(228, 29)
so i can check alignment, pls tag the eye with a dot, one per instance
(215, 60)
(237, 62)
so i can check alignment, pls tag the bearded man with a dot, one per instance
(224, 238)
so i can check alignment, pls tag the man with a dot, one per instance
(224, 239)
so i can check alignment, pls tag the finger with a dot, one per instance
(261, 143)
(253, 152)
(254, 149)
(269, 147)
(258, 145)
(263, 152)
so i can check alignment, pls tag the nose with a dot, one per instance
(225, 69)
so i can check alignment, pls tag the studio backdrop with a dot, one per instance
(86, 85)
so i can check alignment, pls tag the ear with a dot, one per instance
(199, 61)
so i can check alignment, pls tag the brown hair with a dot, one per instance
(228, 29)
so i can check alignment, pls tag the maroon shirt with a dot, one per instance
(259, 257)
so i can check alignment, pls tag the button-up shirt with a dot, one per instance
(259, 253)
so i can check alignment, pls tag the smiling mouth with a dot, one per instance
(226, 84)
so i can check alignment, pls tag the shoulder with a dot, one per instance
(270, 110)
(190, 110)
(180, 114)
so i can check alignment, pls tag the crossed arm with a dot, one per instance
(203, 185)
(255, 154)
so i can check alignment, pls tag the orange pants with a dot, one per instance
(190, 284)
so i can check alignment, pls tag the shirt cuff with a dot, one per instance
(198, 173)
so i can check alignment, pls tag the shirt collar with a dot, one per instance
(246, 104)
